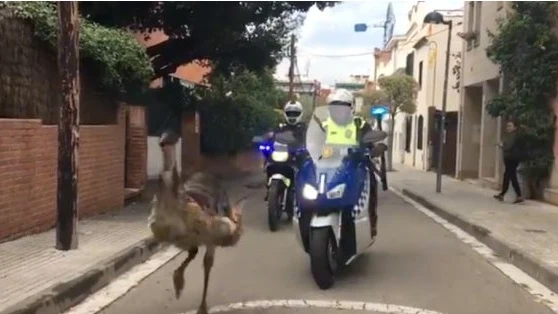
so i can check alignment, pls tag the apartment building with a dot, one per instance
(478, 156)
(479, 160)
(421, 53)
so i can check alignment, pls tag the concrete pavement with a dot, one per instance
(525, 234)
(416, 264)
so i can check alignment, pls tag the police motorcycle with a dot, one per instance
(280, 168)
(333, 198)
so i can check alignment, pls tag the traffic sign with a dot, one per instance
(361, 27)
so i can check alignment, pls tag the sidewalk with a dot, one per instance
(525, 234)
(37, 278)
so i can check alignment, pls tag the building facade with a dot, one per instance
(479, 157)
(421, 53)
(302, 86)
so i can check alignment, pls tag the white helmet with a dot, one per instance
(342, 96)
(293, 112)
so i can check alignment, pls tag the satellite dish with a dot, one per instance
(389, 24)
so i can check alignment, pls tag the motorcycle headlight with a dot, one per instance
(309, 192)
(280, 156)
(336, 192)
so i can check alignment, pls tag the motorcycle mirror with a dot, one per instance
(374, 136)
(257, 139)
(285, 137)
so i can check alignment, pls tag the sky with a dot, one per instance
(331, 32)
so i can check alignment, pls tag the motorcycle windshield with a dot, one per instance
(280, 147)
(323, 153)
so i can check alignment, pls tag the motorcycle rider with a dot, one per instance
(341, 129)
(293, 113)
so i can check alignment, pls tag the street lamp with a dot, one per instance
(437, 18)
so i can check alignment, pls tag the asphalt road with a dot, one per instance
(415, 263)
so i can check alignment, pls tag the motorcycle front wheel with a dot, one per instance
(323, 257)
(274, 204)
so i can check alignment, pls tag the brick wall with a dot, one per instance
(28, 167)
(29, 100)
(101, 168)
(28, 176)
(136, 147)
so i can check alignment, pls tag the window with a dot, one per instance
(408, 133)
(420, 74)
(478, 17)
(419, 132)
(410, 64)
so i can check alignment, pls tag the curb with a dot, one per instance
(531, 265)
(65, 295)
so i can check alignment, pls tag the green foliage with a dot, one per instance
(121, 64)
(401, 91)
(371, 97)
(228, 123)
(456, 71)
(250, 34)
(374, 97)
(526, 49)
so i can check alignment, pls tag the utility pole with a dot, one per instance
(292, 67)
(315, 94)
(68, 126)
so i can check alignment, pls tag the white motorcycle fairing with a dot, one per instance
(332, 220)
(278, 176)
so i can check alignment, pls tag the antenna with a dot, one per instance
(389, 24)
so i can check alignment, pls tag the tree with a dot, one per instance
(246, 33)
(230, 120)
(400, 91)
(113, 56)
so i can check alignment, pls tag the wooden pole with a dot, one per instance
(68, 126)
(291, 68)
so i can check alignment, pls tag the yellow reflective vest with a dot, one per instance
(342, 134)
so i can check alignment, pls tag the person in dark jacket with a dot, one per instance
(512, 152)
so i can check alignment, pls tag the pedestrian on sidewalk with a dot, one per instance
(513, 154)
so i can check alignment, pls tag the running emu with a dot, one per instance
(191, 213)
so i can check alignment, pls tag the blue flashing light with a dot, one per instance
(265, 148)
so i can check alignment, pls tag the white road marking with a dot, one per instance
(318, 304)
(120, 286)
(539, 292)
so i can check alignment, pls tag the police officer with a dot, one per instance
(293, 113)
(342, 127)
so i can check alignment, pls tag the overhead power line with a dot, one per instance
(361, 53)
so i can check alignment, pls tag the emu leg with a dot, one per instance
(207, 265)
(178, 276)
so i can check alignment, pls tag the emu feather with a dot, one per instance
(192, 212)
